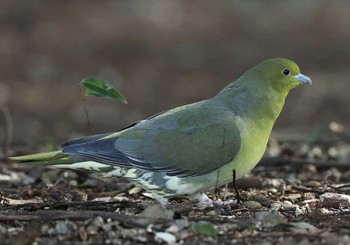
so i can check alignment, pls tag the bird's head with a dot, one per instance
(281, 74)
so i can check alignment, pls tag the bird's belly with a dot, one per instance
(254, 136)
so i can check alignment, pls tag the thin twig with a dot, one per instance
(276, 161)
(340, 186)
(235, 187)
(136, 221)
(315, 189)
(84, 99)
(40, 205)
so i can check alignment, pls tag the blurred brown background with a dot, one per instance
(161, 54)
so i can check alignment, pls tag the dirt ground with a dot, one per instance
(298, 194)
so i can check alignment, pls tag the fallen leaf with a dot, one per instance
(204, 228)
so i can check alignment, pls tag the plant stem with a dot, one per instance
(84, 98)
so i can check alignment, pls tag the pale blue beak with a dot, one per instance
(303, 79)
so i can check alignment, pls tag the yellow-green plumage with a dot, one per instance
(194, 147)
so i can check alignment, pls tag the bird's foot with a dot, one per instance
(201, 199)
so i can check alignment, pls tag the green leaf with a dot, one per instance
(101, 88)
(204, 228)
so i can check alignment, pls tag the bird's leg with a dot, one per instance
(217, 192)
(230, 202)
(217, 187)
(225, 193)
(234, 186)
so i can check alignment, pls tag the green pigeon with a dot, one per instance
(192, 148)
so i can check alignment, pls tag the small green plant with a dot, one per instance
(99, 88)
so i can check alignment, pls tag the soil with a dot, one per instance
(298, 194)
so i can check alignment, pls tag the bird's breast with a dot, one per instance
(254, 137)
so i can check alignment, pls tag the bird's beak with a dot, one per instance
(303, 79)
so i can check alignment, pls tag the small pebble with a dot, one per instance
(165, 237)
(252, 204)
(334, 200)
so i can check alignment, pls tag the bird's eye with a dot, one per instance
(286, 72)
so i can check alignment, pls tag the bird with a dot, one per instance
(192, 148)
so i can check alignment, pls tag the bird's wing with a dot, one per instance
(84, 140)
(186, 141)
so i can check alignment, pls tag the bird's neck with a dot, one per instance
(256, 104)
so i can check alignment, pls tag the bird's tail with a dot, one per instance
(46, 159)
(57, 159)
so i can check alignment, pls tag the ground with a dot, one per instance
(298, 194)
